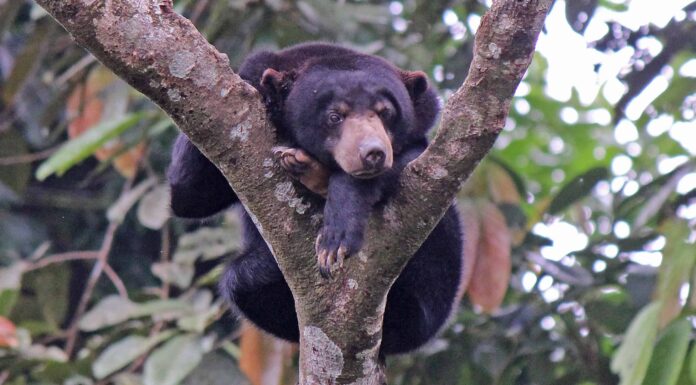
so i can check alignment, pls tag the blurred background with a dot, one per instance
(581, 219)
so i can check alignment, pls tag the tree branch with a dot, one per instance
(162, 55)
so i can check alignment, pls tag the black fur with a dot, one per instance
(314, 75)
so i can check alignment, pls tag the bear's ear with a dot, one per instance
(276, 82)
(416, 82)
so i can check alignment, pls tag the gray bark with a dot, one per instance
(162, 55)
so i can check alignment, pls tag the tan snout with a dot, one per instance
(363, 149)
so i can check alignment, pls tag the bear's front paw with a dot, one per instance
(334, 244)
(304, 168)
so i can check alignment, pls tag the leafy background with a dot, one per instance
(581, 221)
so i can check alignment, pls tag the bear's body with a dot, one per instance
(364, 120)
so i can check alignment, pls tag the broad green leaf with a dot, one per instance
(577, 189)
(84, 145)
(109, 311)
(204, 312)
(208, 243)
(172, 362)
(632, 358)
(163, 309)
(692, 365)
(178, 274)
(114, 309)
(669, 354)
(10, 283)
(678, 259)
(8, 298)
(217, 368)
(127, 379)
(43, 353)
(123, 352)
(153, 209)
(610, 308)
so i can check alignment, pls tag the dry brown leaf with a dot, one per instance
(8, 333)
(471, 227)
(501, 187)
(85, 107)
(491, 273)
(265, 360)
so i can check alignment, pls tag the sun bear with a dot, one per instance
(352, 122)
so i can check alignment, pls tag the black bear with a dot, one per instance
(353, 122)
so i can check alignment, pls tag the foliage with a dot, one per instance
(581, 221)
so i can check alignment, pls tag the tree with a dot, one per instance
(581, 216)
(163, 56)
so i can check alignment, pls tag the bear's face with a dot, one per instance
(354, 120)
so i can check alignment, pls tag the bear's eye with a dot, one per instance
(335, 118)
(386, 113)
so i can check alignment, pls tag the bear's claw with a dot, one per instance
(332, 250)
(304, 168)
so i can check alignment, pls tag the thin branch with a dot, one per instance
(116, 280)
(75, 70)
(62, 257)
(26, 158)
(102, 256)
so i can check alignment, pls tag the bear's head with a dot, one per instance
(356, 119)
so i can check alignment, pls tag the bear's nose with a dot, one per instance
(373, 155)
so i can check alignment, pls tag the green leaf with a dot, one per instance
(10, 283)
(669, 354)
(125, 351)
(171, 363)
(178, 274)
(153, 209)
(609, 308)
(109, 311)
(678, 259)
(208, 243)
(632, 358)
(577, 189)
(113, 310)
(8, 298)
(84, 145)
(216, 368)
(692, 365)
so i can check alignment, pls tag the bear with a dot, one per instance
(352, 122)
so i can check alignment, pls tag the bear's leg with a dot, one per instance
(427, 291)
(348, 206)
(198, 188)
(254, 284)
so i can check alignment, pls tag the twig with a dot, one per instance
(89, 287)
(198, 11)
(74, 70)
(164, 257)
(62, 257)
(26, 158)
(116, 280)
(163, 293)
